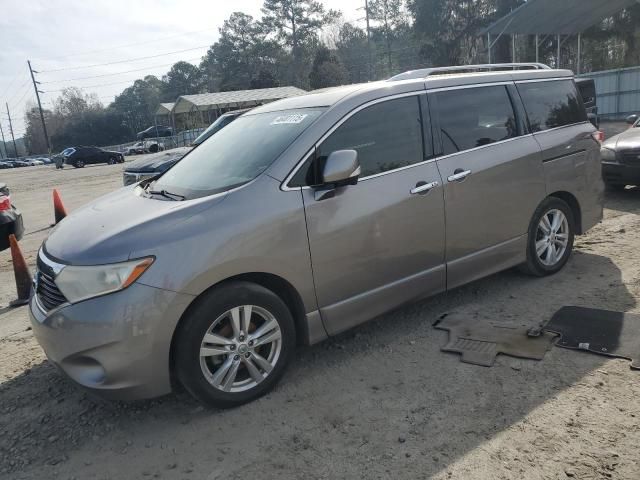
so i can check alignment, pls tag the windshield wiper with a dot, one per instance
(164, 193)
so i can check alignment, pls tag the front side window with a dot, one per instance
(236, 154)
(473, 117)
(552, 104)
(386, 135)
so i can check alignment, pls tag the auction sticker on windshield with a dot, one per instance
(294, 118)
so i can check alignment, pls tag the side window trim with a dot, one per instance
(313, 150)
(427, 132)
(518, 107)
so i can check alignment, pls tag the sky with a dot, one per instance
(63, 35)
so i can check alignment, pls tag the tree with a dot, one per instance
(327, 71)
(353, 50)
(182, 79)
(391, 16)
(138, 103)
(240, 55)
(296, 24)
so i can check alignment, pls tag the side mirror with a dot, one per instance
(341, 168)
(631, 119)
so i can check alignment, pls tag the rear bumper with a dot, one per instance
(117, 345)
(620, 174)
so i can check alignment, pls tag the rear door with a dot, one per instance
(379, 243)
(493, 178)
(570, 155)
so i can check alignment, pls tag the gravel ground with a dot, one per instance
(378, 402)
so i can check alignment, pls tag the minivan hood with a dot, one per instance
(110, 228)
(625, 140)
(157, 162)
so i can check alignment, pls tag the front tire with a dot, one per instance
(79, 164)
(234, 344)
(550, 238)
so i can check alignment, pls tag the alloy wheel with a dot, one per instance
(241, 348)
(552, 237)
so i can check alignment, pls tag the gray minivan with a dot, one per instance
(310, 215)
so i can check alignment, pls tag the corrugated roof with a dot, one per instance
(164, 108)
(239, 98)
(551, 17)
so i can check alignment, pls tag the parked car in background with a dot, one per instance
(81, 156)
(6, 164)
(155, 131)
(621, 157)
(156, 164)
(149, 146)
(152, 165)
(32, 162)
(10, 218)
(45, 160)
(308, 216)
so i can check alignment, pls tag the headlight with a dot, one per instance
(82, 282)
(608, 155)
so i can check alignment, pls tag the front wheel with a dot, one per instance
(79, 164)
(550, 238)
(234, 344)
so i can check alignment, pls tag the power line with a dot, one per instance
(124, 61)
(131, 44)
(117, 73)
(11, 83)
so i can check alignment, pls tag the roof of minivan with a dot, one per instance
(331, 96)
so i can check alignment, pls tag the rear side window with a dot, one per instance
(386, 135)
(552, 104)
(474, 117)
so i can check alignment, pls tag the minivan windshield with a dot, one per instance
(236, 154)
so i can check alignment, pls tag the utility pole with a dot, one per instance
(38, 92)
(366, 11)
(15, 148)
(4, 145)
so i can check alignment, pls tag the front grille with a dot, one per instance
(630, 157)
(48, 293)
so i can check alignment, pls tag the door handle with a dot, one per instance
(459, 174)
(422, 187)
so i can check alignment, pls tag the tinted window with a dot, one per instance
(552, 104)
(386, 135)
(236, 154)
(474, 117)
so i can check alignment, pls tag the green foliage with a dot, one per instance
(327, 70)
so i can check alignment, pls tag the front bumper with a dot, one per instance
(116, 345)
(10, 223)
(620, 174)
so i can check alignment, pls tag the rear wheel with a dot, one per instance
(234, 344)
(79, 164)
(550, 239)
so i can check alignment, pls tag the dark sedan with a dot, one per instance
(10, 218)
(621, 157)
(152, 165)
(81, 156)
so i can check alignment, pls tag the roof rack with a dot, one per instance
(425, 72)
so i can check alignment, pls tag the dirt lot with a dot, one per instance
(378, 402)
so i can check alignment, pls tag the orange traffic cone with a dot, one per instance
(59, 211)
(21, 272)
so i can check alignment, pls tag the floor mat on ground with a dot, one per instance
(480, 341)
(615, 334)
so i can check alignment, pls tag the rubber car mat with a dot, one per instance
(480, 342)
(615, 334)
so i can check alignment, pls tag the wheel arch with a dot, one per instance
(573, 203)
(278, 285)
